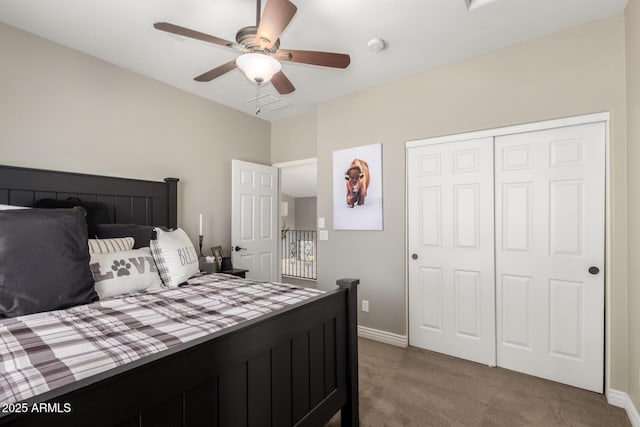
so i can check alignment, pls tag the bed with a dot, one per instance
(294, 366)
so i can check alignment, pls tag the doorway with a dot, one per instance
(297, 222)
(506, 236)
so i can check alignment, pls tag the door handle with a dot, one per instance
(238, 248)
(414, 256)
(594, 270)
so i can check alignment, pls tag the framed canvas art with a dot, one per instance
(357, 188)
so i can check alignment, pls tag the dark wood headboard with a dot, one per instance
(130, 201)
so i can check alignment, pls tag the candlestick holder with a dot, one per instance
(200, 243)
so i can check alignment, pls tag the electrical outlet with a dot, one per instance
(365, 305)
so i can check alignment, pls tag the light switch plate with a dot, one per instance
(321, 222)
(324, 235)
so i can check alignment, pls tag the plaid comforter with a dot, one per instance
(43, 351)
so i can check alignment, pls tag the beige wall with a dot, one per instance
(290, 220)
(632, 15)
(63, 110)
(574, 72)
(306, 211)
(294, 138)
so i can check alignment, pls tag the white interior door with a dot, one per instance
(549, 190)
(254, 216)
(451, 246)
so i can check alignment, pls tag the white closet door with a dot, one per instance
(549, 189)
(451, 237)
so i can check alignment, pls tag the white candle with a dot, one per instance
(200, 224)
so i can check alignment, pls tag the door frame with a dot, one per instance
(531, 127)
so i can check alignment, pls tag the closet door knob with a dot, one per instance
(414, 256)
(238, 249)
(594, 270)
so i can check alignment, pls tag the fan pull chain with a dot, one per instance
(257, 99)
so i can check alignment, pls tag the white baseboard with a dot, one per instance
(382, 336)
(633, 414)
(617, 398)
(622, 400)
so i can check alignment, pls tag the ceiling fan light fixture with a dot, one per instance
(261, 62)
(258, 67)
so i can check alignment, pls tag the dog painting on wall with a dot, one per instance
(359, 171)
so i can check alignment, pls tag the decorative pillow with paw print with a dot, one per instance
(119, 273)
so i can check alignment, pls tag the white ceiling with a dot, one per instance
(421, 34)
(299, 181)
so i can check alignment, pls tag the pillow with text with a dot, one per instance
(175, 256)
(117, 273)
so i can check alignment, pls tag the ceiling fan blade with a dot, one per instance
(216, 72)
(282, 84)
(192, 34)
(275, 18)
(325, 59)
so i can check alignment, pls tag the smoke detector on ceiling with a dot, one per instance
(475, 4)
(376, 44)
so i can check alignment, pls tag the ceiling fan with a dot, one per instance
(261, 46)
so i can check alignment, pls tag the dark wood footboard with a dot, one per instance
(297, 366)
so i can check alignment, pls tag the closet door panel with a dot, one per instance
(451, 281)
(549, 188)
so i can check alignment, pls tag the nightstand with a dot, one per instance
(235, 272)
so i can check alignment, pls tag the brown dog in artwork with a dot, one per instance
(357, 179)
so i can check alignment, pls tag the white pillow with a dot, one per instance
(105, 246)
(11, 207)
(117, 273)
(175, 256)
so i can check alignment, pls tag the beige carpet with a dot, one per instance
(414, 387)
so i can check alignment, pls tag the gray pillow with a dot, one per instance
(97, 212)
(44, 261)
(142, 234)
